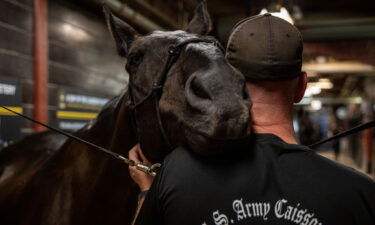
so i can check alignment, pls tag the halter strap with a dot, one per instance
(174, 51)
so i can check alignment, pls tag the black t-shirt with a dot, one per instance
(271, 183)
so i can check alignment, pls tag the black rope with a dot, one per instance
(345, 133)
(115, 155)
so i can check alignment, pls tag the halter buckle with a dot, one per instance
(130, 105)
(147, 169)
(173, 50)
(156, 88)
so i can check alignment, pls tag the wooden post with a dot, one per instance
(40, 63)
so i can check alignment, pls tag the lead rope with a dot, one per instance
(151, 170)
(345, 133)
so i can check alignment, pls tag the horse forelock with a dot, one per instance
(211, 51)
(170, 34)
(165, 37)
(156, 38)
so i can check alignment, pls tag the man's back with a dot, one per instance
(272, 183)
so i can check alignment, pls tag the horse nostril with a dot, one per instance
(198, 89)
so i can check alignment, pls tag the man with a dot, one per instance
(275, 181)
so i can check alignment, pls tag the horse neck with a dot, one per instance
(92, 183)
(113, 187)
(96, 170)
(112, 130)
(115, 131)
(123, 136)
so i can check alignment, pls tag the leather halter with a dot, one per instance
(155, 93)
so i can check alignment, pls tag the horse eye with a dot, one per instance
(135, 60)
(198, 90)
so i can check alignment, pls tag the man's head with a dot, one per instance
(265, 47)
(268, 51)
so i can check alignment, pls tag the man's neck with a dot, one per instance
(274, 119)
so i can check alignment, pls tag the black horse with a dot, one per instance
(203, 105)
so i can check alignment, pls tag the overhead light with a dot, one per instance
(341, 113)
(316, 104)
(338, 67)
(324, 80)
(315, 90)
(331, 100)
(312, 74)
(283, 14)
(321, 59)
(312, 90)
(307, 93)
(323, 83)
(74, 32)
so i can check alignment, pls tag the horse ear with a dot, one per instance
(122, 32)
(201, 22)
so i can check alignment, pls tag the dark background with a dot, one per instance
(82, 54)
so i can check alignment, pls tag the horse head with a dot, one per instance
(203, 103)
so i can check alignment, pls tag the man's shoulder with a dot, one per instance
(314, 165)
(174, 158)
(299, 161)
(302, 159)
(178, 153)
(347, 173)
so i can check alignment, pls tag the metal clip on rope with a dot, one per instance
(150, 170)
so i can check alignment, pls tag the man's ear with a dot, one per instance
(301, 87)
(201, 22)
(122, 32)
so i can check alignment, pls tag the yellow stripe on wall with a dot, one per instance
(75, 115)
(5, 112)
(82, 106)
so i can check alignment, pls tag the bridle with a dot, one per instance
(174, 51)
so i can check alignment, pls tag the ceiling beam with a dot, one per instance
(345, 32)
(126, 12)
(162, 16)
(309, 23)
(353, 50)
(344, 67)
(330, 101)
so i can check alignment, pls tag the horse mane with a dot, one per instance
(108, 113)
(110, 107)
